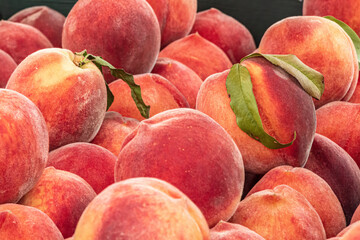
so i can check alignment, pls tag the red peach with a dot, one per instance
(183, 78)
(311, 38)
(18, 222)
(191, 151)
(113, 131)
(24, 145)
(280, 213)
(49, 21)
(8, 66)
(231, 231)
(63, 196)
(281, 113)
(19, 40)
(176, 18)
(71, 98)
(142, 208)
(156, 91)
(225, 32)
(199, 54)
(93, 163)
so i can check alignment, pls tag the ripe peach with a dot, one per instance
(338, 169)
(49, 21)
(93, 163)
(281, 113)
(125, 33)
(199, 54)
(280, 213)
(18, 222)
(225, 32)
(8, 66)
(63, 196)
(177, 146)
(24, 145)
(176, 18)
(142, 208)
(314, 189)
(113, 131)
(19, 40)
(231, 231)
(311, 38)
(352, 232)
(72, 99)
(184, 79)
(156, 91)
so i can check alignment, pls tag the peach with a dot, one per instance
(338, 169)
(126, 33)
(72, 98)
(199, 54)
(177, 146)
(250, 181)
(18, 222)
(8, 66)
(352, 232)
(113, 131)
(311, 38)
(314, 189)
(49, 21)
(142, 208)
(156, 91)
(281, 113)
(231, 231)
(280, 213)
(347, 11)
(24, 145)
(19, 40)
(63, 196)
(176, 18)
(93, 163)
(183, 78)
(225, 32)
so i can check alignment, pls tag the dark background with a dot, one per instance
(256, 15)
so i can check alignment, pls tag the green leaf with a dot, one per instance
(126, 77)
(311, 80)
(243, 103)
(351, 33)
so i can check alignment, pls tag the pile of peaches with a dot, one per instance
(173, 124)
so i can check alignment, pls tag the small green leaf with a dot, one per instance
(351, 33)
(311, 80)
(243, 103)
(126, 77)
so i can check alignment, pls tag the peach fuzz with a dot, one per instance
(183, 78)
(24, 145)
(18, 222)
(126, 33)
(63, 196)
(315, 190)
(281, 113)
(199, 54)
(156, 91)
(347, 11)
(177, 146)
(280, 213)
(113, 131)
(320, 44)
(142, 208)
(8, 66)
(176, 18)
(332, 163)
(49, 21)
(225, 32)
(93, 163)
(72, 99)
(19, 40)
(231, 231)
